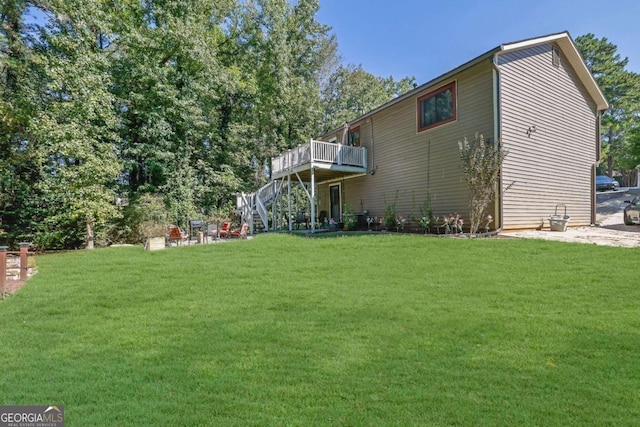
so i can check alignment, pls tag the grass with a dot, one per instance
(362, 331)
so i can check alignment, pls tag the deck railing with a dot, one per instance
(320, 152)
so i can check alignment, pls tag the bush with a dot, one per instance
(349, 219)
(481, 161)
(390, 221)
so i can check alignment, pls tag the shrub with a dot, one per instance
(389, 219)
(481, 161)
(349, 219)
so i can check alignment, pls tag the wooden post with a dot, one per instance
(3, 268)
(313, 199)
(289, 203)
(24, 262)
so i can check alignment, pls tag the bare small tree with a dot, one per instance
(481, 161)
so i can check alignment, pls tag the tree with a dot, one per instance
(22, 206)
(481, 162)
(621, 88)
(287, 46)
(74, 133)
(177, 101)
(351, 92)
(183, 100)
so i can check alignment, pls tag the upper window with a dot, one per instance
(354, 137)
(437, 107)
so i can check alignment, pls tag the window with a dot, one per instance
(354, 137)
(437, 107)
(555, 56)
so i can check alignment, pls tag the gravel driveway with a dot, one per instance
(610, 230)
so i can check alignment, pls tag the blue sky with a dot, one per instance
(425, 38)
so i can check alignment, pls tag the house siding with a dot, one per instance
(407, 165)
(552, 165)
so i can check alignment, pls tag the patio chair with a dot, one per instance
(323, 218)
(301, 218)
(225, 229)
(212, 232)
(241, 232)
(176, 235)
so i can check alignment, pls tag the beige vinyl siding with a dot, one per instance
(406, 163)
(552, 165)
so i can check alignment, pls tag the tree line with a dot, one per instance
(620, 124)
(173, 106)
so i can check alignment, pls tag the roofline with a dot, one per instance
(421, 88)
(566, 43)
(563, 39)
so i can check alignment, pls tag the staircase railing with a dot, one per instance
(258, 202)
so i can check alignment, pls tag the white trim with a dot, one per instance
(563, 40)
(571, 55)
(533, 42)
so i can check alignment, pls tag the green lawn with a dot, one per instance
(378, 330)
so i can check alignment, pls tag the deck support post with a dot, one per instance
(313, 200)
(289, 202)
(252, 209)
(3, 268)
(274, 208)
(24, 260)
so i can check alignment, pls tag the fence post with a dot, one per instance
(3, 268)
(24, 262)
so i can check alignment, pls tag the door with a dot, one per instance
(334, 196)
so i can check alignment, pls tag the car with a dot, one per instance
(632, 211)
(604, 183)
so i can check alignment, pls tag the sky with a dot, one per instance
(426, 38)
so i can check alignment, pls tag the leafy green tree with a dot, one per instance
(21, 205)
(351, 92)
(75, 131)
(186, 101)
(622, 90)
(186, 90)
(286, 46)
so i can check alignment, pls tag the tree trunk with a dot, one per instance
(610, 156)
(89, 234)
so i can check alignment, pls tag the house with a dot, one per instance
(535, 96)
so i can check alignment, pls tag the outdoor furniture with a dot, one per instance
(212, 231)
(176, 235)
(301, 218)
(195, 224)
(224, 231)
(323, 218)
(240, 233)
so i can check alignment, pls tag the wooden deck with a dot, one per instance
(327, 158)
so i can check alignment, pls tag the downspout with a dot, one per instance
(497, 110)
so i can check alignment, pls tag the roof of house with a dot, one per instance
(564, 42)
